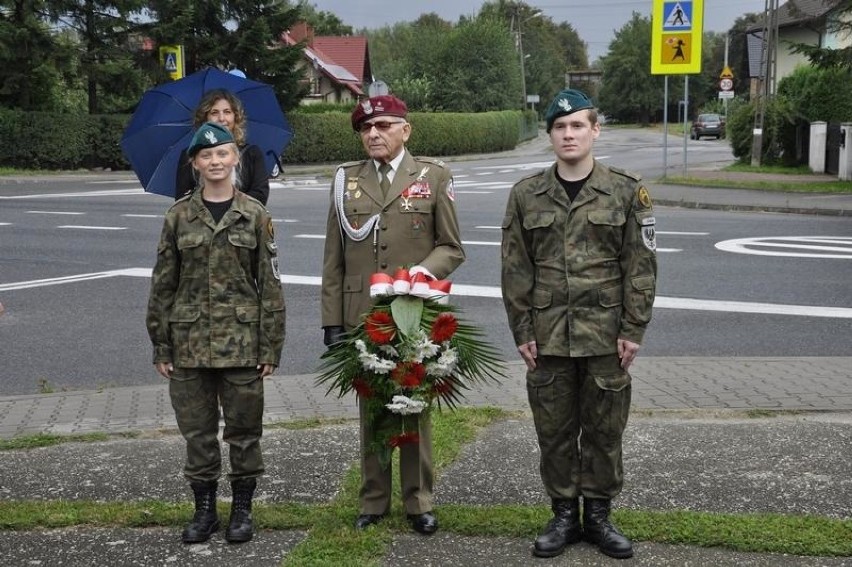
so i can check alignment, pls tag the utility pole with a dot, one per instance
(766, 82)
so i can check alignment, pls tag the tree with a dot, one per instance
(240, 34)
(628, 91)
(477, 69)
(322, 22)
(104, 29)
(30, 57)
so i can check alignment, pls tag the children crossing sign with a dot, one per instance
(676, 37)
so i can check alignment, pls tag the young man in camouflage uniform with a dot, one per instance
(216, 320)
(578, 276)
(390, 211)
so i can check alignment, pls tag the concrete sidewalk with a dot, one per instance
(704, 457)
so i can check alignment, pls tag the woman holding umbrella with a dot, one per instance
(216, 322)
(223, 107)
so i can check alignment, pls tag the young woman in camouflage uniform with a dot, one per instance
(216, 320)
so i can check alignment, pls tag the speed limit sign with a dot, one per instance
(726, 84)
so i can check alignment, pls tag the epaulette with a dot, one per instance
(538, 173)
(625, 173)
(349, 164)
(433, 161)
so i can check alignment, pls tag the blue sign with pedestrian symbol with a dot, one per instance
(678, 16)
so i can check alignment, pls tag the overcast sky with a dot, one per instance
(594, 20)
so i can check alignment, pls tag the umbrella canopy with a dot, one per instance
(162, 125)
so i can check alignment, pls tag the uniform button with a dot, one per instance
(384, 265)
(384, 246)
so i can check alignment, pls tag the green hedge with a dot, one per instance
(40, 140)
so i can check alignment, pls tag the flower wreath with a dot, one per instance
(409, 352)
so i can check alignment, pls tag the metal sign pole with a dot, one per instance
(685, 118)
(665, 125)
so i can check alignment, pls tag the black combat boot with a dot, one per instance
(240, 527)
(599, 531)
(205, 522)
(563, 530)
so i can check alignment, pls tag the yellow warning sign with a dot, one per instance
(677, 30)
(171, 58)
(727, 73)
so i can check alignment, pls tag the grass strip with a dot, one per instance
(758, 185)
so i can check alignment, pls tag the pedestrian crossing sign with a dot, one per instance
(171, 58)
(678, 16)
(677, 29)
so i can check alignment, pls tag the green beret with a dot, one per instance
(209, 135)
(566, 102)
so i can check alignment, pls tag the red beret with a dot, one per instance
(384, 105)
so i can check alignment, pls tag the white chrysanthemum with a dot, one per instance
(373, 362)
(403, 405)
(389, 350)
(445, 365)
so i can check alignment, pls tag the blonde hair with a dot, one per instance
(207, 102)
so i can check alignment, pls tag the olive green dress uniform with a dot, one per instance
(576, 276)
(414, 231)
(216, 311)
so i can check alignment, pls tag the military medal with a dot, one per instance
(405, 203)
(358, 194)
(352, 184)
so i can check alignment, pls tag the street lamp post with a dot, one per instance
(517, 17)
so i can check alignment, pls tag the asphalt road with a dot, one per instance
(76, 256)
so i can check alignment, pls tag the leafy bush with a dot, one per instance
(70, 141)
(778, 129)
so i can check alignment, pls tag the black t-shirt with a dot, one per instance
(218, 210)
(572, 187)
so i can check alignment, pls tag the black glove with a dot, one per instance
(332, 335)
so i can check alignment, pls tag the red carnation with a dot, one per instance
(380, 327)
(404, 439)
(444, 327)
(362, 388)
(409, 374)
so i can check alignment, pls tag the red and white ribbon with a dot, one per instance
(403, 283)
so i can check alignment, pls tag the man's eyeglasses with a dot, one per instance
(380, 125)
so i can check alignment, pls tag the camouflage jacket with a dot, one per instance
(417, 225)
(578, 275)
(216, 299)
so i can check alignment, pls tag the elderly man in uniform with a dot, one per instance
(389, 211)
(579, 276)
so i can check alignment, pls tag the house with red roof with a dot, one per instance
(337, 69)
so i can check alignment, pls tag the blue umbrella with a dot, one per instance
(162, 125)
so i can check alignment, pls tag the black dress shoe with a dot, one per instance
(425, 523)
(366, 520)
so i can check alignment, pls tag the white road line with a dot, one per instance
(676, 233)
(138, 191)
(53, 213)
(285, 220)
(149, 216)
(494, 292)
(474, 192)
(465, 242)
(5, 224)
(82, 227)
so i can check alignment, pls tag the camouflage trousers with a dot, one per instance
(196, 395)
(580, 408)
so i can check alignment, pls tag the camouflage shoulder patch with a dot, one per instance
(539, 173)
(625, 173)
(644, 197)
(270, 229)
